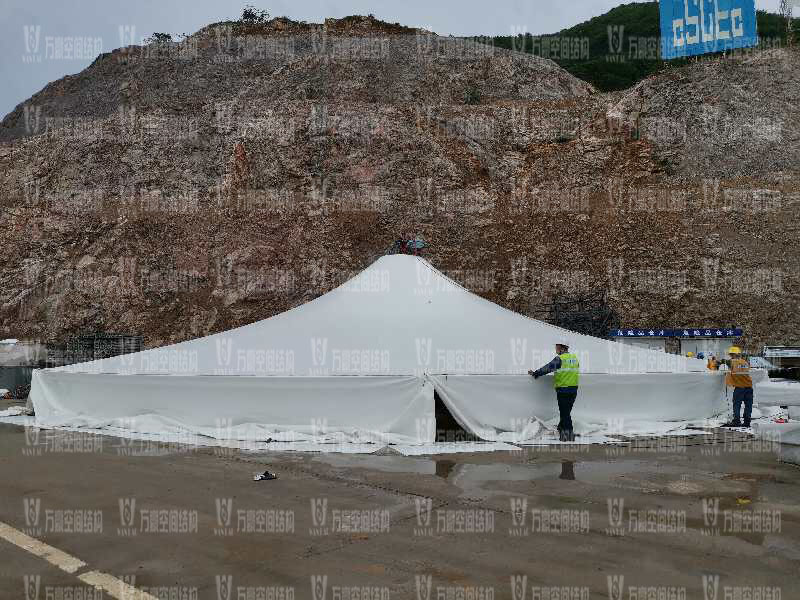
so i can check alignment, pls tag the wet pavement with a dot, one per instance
(669, 517)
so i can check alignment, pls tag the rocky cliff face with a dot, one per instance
(182, 189)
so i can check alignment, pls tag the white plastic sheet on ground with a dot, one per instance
(359, 364)
(14, 411)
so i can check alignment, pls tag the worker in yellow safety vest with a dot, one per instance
(566, 368)
(712, 364)
(738, 377)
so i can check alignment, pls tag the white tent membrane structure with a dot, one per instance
(361, 363)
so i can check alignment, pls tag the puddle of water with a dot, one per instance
(478, 480)
(475, 479)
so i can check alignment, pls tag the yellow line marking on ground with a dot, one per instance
(54, 556)
(116, 588)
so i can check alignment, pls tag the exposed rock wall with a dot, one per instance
(181, 190)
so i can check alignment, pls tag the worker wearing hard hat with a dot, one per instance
(690, 355)
(712, 364)
(566, 367)
(738, 377)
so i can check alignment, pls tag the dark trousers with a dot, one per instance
(566, 398)
(742, 394)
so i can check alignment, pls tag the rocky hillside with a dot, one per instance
(176, 190)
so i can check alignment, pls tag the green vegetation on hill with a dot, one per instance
(608, 70)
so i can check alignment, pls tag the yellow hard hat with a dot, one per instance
(690, 354)
(734, 350)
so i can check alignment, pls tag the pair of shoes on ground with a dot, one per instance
(736, 424)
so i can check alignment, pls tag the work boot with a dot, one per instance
(746, 424)
(732, 424)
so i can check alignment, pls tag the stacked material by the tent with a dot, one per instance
(361, 363)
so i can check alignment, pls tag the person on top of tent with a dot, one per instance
(566, 366)
(739, 378)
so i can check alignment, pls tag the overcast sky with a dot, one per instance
(27, 65)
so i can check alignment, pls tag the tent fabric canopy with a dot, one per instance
(362, 362)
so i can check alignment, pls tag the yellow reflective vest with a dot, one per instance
(567, 374)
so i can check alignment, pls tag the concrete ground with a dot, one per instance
(701, 517)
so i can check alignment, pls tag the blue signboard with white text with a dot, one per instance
(685, 332)
(692, 27)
